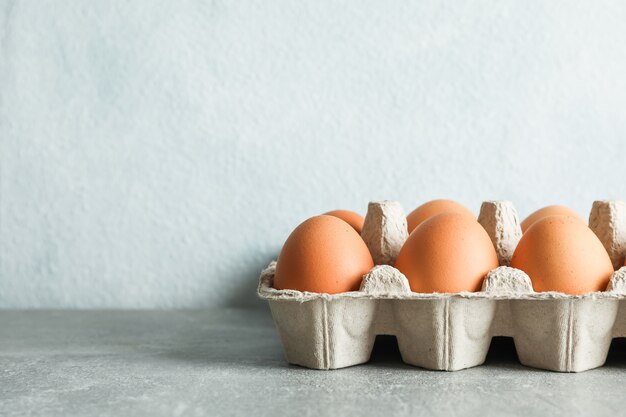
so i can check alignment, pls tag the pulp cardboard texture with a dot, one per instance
(552, 331)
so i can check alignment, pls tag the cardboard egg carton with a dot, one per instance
(551, 331)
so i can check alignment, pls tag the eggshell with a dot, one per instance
(432, 208)
(352, 218)
(323, 254)
(548, 211)
(560, 253)
(448, 253)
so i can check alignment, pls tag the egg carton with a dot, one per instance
(552, 331)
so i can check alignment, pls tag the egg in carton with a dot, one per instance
(552, 331)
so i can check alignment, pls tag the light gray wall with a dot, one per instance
(157, 155)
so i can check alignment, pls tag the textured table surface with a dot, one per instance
(229, 362)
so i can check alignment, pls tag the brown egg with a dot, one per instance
(560, 253)
(353, 219)
(432, 208)
(447, 253)
(323, 254)
(548, 211)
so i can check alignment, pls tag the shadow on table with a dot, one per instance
(617, 354)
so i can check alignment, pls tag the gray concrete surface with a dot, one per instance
(229, 362)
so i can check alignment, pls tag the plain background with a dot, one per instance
(157, 155)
